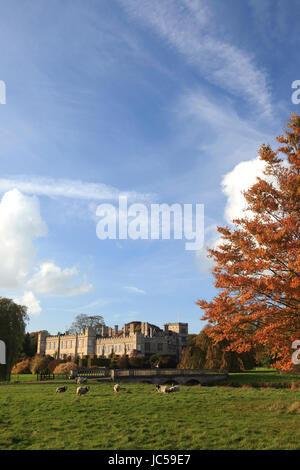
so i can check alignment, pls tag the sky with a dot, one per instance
(163, 101)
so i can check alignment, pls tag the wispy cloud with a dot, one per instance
(74, 189)
(134, 290)
(188, 29)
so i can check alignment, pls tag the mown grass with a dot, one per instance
(260, 374)
(35, 417)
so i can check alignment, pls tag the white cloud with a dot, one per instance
(30, 301)
(189, 29)
(51, 279)
(241, 178)
(20, 224)
(72, 189)
(134, 290)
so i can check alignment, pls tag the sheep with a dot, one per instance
(162, 389)
(82, 390)
(116, 388)
(81, 380)
(73, 374)
(174, 388)
(61, 389)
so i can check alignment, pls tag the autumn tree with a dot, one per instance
(257, 263)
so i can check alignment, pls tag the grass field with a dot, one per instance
(35, 417)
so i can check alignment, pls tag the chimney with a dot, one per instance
(116, 330)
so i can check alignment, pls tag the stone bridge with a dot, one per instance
(165, 376)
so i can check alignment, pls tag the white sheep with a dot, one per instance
(162, 389)
(116, 388)
(81, 380)
(82, 390)
(174, 388)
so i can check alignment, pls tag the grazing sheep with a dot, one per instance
(116, 388)
(73, 374)
(61, 389)
(174, 388)
(81, 380)
(82, 390)
(162, 389)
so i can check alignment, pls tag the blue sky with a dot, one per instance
(167, 101)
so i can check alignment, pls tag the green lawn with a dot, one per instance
(35, 417)
(262, 375)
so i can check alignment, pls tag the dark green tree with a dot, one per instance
(29, 345)
(13, 318)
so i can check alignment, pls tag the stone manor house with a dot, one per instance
(143, 337)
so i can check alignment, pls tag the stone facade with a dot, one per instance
(143, 337)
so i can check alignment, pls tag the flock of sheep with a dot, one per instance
(84, 390)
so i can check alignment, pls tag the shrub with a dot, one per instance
(92, 361)
(113, 360)
(53, 364)
(103, 361)
(39, 364)
(82, 362)
(123, 362)
(168, 362)
(136, 362)
(65, 368)
(22, 367)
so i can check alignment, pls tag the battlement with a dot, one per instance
(143, 337)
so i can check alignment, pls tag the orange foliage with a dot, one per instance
(258, 262)
(22, 367)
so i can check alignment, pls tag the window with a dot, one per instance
(147, 347)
